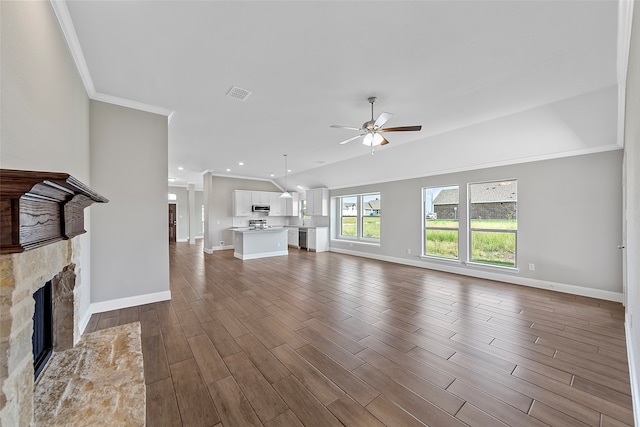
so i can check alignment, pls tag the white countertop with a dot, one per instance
(257, 230)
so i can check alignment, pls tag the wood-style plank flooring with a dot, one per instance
(323, 339)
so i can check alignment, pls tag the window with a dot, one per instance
(370, 225)
(303, 209)
(359, 216)
(441, 221)
(349, 216)
(493, 223)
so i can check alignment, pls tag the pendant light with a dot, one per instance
(285, 194)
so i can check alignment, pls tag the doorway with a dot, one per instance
(172, 223)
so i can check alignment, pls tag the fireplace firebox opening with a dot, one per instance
(42, 338)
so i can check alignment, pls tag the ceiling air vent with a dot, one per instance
(238, 93)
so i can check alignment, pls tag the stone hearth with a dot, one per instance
(99, 382)
(21, 274)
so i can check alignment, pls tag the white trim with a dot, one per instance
(217, 248)
(110, 99)
(260, 255)
(182, 240)
(84, 321)
(625, 19)
(247, 178)
(622, 100)
(69, 32)
(356, 242)
(633, 370)
(490, 275)
(116, 304)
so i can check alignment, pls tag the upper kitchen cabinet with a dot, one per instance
(277, 204)
(292, 205)
(318, 202)
(260, 197)
(242, 202)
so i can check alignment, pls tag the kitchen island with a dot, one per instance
(252, 243)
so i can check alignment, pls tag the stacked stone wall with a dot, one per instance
(21, 275)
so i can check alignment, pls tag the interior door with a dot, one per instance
(172, 223)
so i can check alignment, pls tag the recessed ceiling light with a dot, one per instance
(241, 163)
(172, 179)
(272, 175)
(228, 170)
(299, 186)
(289, 170)
(180, 168)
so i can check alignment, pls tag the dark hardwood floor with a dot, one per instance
(328, 339)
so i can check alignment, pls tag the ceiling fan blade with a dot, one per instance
(382, 119)
(351, 139)
(384, 140)
(344, 127)
(402, 129)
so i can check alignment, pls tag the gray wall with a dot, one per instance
(576, 245)
(632, 169)
(218, 192)
(44, 110)
(130, 244)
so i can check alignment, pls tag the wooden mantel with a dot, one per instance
(39, 208)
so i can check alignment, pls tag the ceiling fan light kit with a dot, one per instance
(371, 129)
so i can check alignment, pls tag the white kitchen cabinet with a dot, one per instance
(318, 202)
(293, 236)
(277, 204)
(241, 203)
(292, 205)
(318, 239)
(260, 197)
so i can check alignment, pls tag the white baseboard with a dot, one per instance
(633, 369)
(481, 273)
(217, 248)
(116, 304)
(260, 255)
(181, 240)
(84, 321)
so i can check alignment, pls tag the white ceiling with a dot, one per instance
(444, 64)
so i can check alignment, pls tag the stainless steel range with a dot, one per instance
(258, 223)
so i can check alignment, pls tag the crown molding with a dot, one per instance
(69, 32)
(132, 104)
(625, 20)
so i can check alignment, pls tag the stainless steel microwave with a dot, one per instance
(260, 208)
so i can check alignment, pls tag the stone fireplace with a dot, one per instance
(22, 274)
(40, 216)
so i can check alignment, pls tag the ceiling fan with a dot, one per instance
(371, 130)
